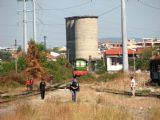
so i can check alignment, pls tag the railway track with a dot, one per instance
(122, 92)
(9, 98)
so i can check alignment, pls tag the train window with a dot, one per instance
(80, 63)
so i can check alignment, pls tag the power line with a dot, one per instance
(41, 22)
(148, 5)
(39, 5)
(109, 11)
(48, 9)
(59, 9)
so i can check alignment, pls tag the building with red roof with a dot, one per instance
(118, 51)
(113, 58)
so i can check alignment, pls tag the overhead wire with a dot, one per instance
(109, 11)
(74, 6)
(148, 5)
(42, 14)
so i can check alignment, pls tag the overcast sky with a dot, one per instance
(143, 18)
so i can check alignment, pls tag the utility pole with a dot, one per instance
(16, 59)
(34, 20)
(45, 44)
(124, 36)
(24, 27)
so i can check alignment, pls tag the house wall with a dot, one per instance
(110, 67)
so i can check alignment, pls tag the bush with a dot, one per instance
(143, 91)
(107, 77)
(21, 63)
(6, 67)
(5, 56)
(87, 78)
(58, 70)
(142, 64)
(12, 80)
(101, 68)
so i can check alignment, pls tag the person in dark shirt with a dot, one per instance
(42, 88)
(31, 84)
(27, 85)
(74, 87)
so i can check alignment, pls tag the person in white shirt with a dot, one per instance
(133, 85)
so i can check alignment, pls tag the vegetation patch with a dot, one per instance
(153, 114)
(87, 78)
(107, 77)
(12, 80)
(143, 91)
(58, 69)
(54, 110)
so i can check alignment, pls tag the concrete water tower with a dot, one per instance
(81, 35)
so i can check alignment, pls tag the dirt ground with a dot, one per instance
(137, 106)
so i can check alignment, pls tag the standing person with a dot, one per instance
(42, 88)
(27, 84)
(31, 84)
(74, 87)
(133, 85)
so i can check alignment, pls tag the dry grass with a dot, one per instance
(54, 110)
(123, 82)
(153, 114)
(92, 105)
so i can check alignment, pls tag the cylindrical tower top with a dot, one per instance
(79, 17)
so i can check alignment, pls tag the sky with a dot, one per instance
(142, 18)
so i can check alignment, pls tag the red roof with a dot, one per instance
(117, 51)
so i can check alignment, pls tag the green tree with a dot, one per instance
(21, 62)
(147, 53)
(40, 47)
(143, 62)
(101, 66)
(56, 49)
(58, 69)
(41, 52)
(6, 67)
(5, 56)
(19, 49)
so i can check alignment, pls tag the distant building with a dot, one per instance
(53, 56)
(132, 44)
(148, 42)
(113, 58)
(62, 49)
(7, 49)
(108, 44)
